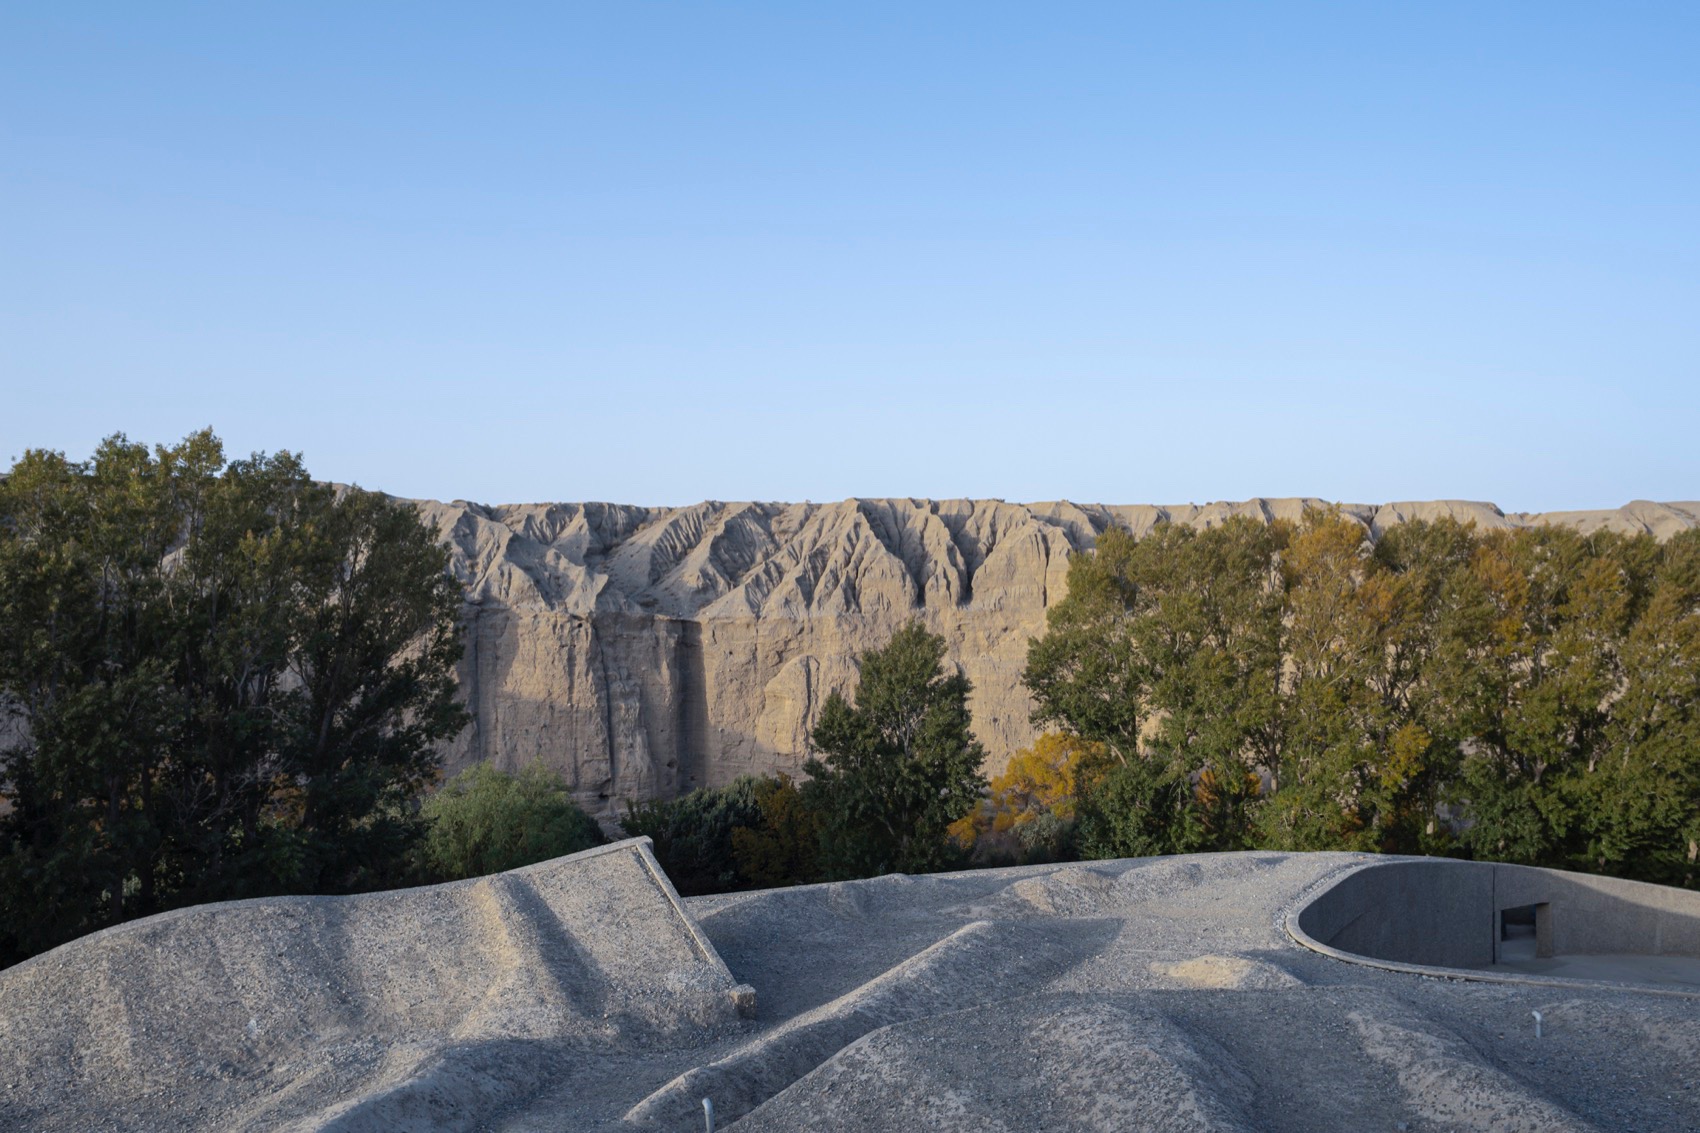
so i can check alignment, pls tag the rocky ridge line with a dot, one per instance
(647, 651)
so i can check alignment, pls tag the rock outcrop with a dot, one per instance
(643, 652)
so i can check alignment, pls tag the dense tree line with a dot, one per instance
(1530, 695)
(219, 679)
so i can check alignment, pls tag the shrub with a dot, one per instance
(785, 848)
(693, 834)
(1029, 815)
(486, 821)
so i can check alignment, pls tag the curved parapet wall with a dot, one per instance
(1437, 913)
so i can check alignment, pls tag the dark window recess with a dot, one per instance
(1525, 932)
(1518, 923)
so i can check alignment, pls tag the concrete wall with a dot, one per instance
(1446, 913)
(1417, 912)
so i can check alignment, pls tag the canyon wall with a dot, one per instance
(643, 652)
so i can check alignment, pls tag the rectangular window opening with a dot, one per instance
(1518, 923)
(1525, 932)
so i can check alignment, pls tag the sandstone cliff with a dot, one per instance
(644, 652)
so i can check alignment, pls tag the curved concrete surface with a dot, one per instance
(1482, 920)
(383, 1011)
(1155, 995)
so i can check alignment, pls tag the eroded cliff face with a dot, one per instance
(643, 652)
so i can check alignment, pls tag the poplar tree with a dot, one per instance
(898, 766)
(1167, 651)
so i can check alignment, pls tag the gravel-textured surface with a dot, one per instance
(1153, 994)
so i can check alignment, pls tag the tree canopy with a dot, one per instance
(899, 766)
(1527, 695)
(485, 821)
(221, 679)
(1030, 812)
(1167, 650)
(692, 834)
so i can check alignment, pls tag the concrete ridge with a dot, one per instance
(743, 995)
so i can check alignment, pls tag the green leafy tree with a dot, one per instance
(1428, 624)
(1167, 650)
(1638, 799)
(1211, 638)
(223, 680)
(784, 848)
(373, 649)
(692, 834)
(1086, 674)
(486, 821)
(897, 767)
(1380, 669)
(1561, 605)
(1138, 809)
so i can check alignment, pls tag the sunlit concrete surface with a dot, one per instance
(1169, 994)
(1679, 971)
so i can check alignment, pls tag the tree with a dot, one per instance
(1638, 800)
(899, 766)
(1380, 663)
(1087, 673)
(1167, 651)
(692, 834)
(784, 847)
(1138, 809)
(372, 656)
(1030, 812)
(487, 821)
(1067, 797)
(1560, 606)
(1523, 695)
(223, 679)
(1212, 639)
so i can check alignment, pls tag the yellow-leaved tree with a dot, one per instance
(1029, 811)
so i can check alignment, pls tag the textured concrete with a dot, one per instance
(1150, 994)
(1681, 972)
(641, 652)
(1415, 912)
(398, 1010)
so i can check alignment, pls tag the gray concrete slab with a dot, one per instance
(1674, 971)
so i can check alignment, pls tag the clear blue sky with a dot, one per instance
(657, 253)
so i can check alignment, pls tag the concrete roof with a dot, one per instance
(1162, 994)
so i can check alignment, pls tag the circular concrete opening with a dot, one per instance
(1481, 920)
